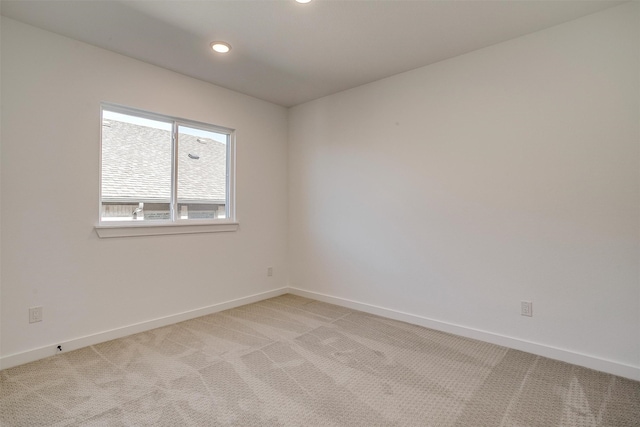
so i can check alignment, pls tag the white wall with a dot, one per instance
(51, 256)
(454, 191)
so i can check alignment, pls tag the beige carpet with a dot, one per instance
(292, 361)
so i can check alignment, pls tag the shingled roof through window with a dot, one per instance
(136, 166)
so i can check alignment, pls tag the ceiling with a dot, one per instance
(289, 53)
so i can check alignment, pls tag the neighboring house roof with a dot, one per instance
(136, 166)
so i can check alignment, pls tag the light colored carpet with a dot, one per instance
(293, 361)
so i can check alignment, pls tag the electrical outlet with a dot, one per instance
(35, 314)
(269, 271)
(526, 308)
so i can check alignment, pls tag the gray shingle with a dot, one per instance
(136, 165)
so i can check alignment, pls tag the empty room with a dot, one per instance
(320, 213)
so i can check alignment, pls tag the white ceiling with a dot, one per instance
(288, 53)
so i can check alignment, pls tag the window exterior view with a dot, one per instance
(156, 168)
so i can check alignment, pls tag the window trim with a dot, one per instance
(130, 229)
(175, 225)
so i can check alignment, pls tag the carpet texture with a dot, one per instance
(292, 361)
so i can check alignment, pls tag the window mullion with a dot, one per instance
(174, 172)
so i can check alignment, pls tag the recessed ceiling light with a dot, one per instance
(220, 47)
(303, 1)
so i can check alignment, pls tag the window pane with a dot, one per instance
(136, 168)
(202, 174)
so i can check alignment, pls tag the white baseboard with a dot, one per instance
(74, 344)
(603, 365)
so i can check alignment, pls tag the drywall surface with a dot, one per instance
(51, 92)
(455, 191)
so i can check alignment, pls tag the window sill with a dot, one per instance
(132, 230)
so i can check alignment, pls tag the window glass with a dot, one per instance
(156, 168)
(202, 173)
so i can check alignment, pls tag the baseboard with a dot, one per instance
(603, 365)
(74, 344)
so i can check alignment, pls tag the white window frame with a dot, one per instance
(174, 225)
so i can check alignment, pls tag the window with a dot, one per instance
(159, 170)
